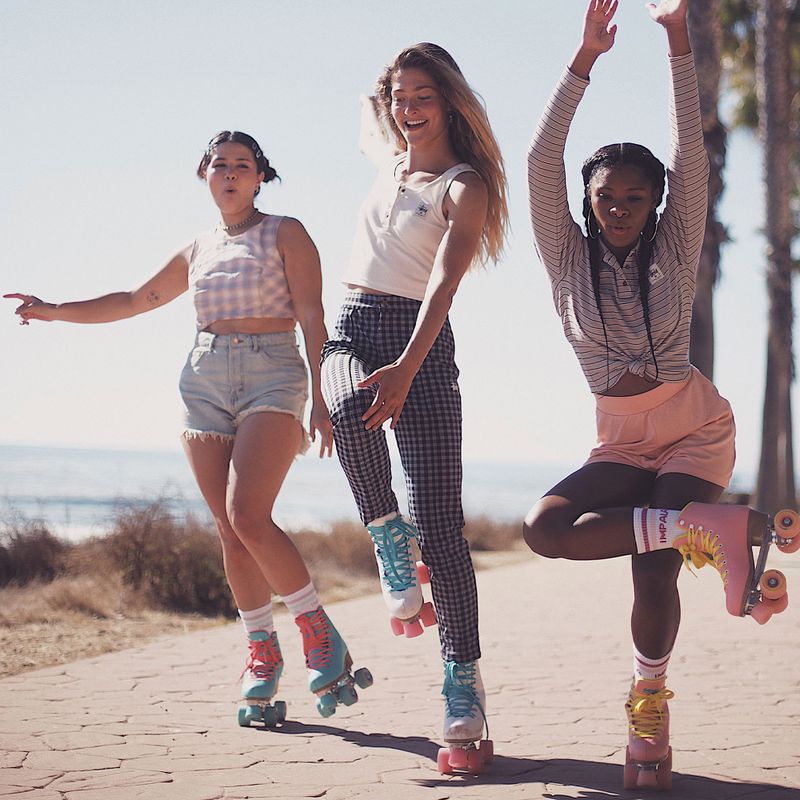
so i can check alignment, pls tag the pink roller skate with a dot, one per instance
(723, 535)
(401, 578)
(648, 756)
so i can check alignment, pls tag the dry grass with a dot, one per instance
(154, 575)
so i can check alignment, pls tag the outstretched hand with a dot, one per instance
(30, 308)
(598, 32)
(669, 12)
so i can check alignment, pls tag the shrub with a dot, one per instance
(28, 552)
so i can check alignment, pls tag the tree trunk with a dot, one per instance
(776, 486)
(705, 29)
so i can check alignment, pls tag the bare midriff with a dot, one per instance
(629, 385)
(366, 290)
(251, 325)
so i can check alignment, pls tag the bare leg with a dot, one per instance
(265, 446)
(656, 611)
(210, 462)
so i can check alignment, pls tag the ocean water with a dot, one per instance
(78, 492)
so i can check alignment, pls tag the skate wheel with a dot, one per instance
(397, 626)
(486, 748)
(280, 710)
(348, 695)
(443, 761)
(772, 584)
(458, 758)
(761, 612)
(664, 773)
(412, 629)
(326, 705)
(792, 544)
(629, 777)
(363, 678)
(474, 762)
(270, 717)
(428, 615)
(423, 573)
(787, 524)
(243, 717)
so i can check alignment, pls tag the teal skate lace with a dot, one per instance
(317, 644)
(392, 540)
(460, 697)
(264, 658)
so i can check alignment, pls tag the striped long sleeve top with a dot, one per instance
(564, 250)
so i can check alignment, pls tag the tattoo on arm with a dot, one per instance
(152, 297)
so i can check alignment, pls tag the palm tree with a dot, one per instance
(705, 28)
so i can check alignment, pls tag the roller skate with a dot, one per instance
(328, 663)
(260, 682)
(723, 535)
(401, 578)
(464, 718)
(648, 756)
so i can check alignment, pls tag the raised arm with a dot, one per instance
(687, 195)
(465, 205)
(372, 139)
(169, 282)
(555, 233)
(304, 276)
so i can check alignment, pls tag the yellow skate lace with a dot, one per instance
(646, 711)
(703, 547)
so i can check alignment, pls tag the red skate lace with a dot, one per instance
(703, 547)
(317, 643)
(646, 711)
(263, 659)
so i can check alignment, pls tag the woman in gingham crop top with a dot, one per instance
(624, 292)
(437, 206)
(244, 388)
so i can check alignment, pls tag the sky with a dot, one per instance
(108, 106)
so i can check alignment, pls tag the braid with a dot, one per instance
(643, 264)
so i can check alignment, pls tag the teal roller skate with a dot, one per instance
(260, 682)
(401, 577)
(329, 663)
(464, 718)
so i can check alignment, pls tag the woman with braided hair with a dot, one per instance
(665, 437)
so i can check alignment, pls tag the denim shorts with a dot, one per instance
(228, 377)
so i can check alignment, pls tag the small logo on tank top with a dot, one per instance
(654, 274)
(422, 210)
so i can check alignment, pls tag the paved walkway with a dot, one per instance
(158, 723)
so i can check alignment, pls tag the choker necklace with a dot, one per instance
(243, 224)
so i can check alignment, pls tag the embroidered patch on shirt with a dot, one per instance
(422, 210)
(654, 274)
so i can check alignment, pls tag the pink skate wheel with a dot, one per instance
(458, 758)
(474, 762)
(428, 615)
(443, 761)
(664, 773)
(792, 547)
(423, 573)
(629, 773)
(761, 612)
(412, 629)
(486, 748)
(779, 604)
(397, 626)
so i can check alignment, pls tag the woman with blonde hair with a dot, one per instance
(437, 209)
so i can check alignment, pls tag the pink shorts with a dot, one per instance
(676, 427)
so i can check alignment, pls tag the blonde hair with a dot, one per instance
(470, 133)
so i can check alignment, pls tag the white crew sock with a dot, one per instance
(259, 619)
(650, 669)
(302, 601)
(655, 528)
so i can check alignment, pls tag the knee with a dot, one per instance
(543, 532)
(248, 523)
(231, 543)
(346, 409)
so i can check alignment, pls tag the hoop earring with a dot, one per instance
(655, 230)
(589, 219)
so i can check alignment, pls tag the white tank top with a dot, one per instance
(398, 233)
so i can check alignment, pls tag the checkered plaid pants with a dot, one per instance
(372, 331)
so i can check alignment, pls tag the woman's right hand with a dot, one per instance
(32, 308)
(598, 32)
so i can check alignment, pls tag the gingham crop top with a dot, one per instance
(564, 251)
(399, 231)
(233, 276)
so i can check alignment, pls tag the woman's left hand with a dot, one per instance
(669, 12)
(320, 423)
(394, 382)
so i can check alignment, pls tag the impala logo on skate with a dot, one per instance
(662, 526)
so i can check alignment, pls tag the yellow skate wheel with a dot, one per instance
(772, 584)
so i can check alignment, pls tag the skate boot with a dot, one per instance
(260, 682)
(723, 535)
(328, 663)
(648, 756)
(401, 578)
(464, 718)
